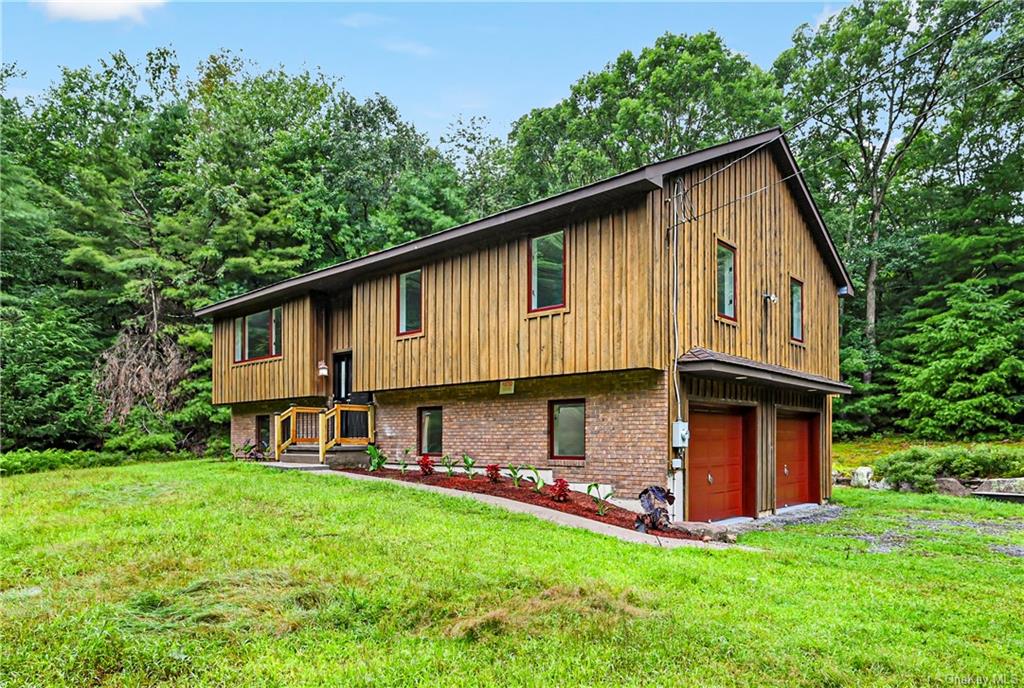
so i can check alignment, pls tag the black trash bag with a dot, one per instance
(655, 501)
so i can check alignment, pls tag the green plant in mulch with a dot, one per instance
(515, 474)
(377, 458)
(594, 490)
(538, 482)
(449, 465)
(403, 463)
(469, 465)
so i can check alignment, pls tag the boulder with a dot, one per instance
(1002, 485)
(882, 484)
(951, 486)
(861, 476)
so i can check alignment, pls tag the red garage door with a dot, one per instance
(796, 461)
(716, 462)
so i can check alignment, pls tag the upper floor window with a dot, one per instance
(410, 302)
(547, 271)
(726, 281)
(796, 310)
(567, 429)
(258, 335)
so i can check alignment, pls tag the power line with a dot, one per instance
(850, 91)
(833, 157)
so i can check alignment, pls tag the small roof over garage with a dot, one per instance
(708, 363)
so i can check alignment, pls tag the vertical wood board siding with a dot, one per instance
(291, 375)
(475, 321)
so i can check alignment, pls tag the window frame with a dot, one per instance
(719, 244)
(803, 313)
(399, 332)
(275, 339)
(260, 420)
(552, 403)
(419, 430)
(529, 274)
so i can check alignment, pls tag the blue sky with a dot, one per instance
(435, 61)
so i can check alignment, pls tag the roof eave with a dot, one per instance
(738, 371)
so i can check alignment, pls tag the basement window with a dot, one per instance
(567, 430)
(430, 431)
(726, 281)
(410, 302)
(258, 335)
(547, 271)
(796, 310)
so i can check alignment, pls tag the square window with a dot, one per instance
(258, 335)
(567, 429)
(430, 431)
(547, 271)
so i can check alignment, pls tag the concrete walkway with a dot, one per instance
(552, 515)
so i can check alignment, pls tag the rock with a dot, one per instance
(882, 484)
(907, 487)
(705, 531)
(1002, 485)
(951, 486)
(861, 477)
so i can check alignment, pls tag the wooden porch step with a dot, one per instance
(341, 455)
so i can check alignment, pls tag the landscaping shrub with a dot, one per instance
(377, 458)
(560, 490)
(493, 472)
(426, 465)
(33, 461)
(919, 466)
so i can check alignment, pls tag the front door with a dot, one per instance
(342, 377)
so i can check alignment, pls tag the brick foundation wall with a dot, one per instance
(243, 418)
(626, 425)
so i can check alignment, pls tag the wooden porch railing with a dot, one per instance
(344, 424)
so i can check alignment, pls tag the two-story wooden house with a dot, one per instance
(677, 324)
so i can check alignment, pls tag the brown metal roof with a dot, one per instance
(536, 216)
(700, 361)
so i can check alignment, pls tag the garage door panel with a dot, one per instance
(795, 477)
(716, 448)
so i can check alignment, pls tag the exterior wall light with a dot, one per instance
(321, 369)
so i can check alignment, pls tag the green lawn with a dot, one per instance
(228, 574)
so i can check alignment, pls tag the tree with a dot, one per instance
(867, 126)
(681, 94)
(965, 378)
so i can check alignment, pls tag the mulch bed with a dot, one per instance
(578, 504)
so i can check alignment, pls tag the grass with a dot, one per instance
(212, 574)
(850, 454)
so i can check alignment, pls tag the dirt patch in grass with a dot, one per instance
(578, 503)
(522, 612)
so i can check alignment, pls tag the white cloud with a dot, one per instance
(414, 48)
(827, 12)
(361, 20)
(98, 10)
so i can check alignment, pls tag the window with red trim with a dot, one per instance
(430, 430)
(258, 335)
(796, 310)
(726, 276)
(547, 271)
(410, 302)
(567, 429)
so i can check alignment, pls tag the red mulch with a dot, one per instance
(579, 503)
